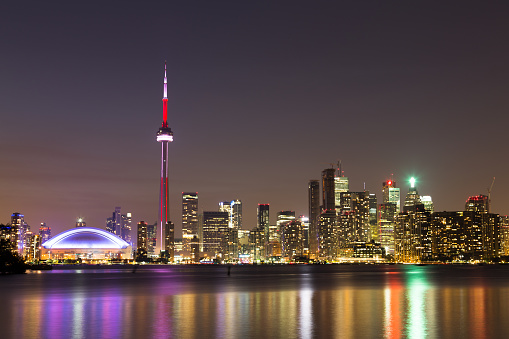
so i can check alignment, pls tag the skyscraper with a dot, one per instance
(328, 190)
(18, 222)
(391, 194)
(142, 243)
(189, 219)
(114, 224)
(44, 232)
(215, 233)
(314, 213)
(262, 225)
(340, 186)
(165, 136)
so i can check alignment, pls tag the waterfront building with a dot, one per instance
(314, 213)
(353, 219)
(10, 233)
(367, 251)
(327, 235)
(257, 244)
(292, 239)
(33, 254)
(466, 236)
(215, 233)
(18, 223)
(234, 210)
(305, 229)
(114, 224)
(88, 244)
(44, 232)
(504, 236)
(189, 219)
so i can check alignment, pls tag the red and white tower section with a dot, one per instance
(165, 136)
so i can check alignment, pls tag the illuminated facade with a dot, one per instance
(142, 241)
(340, 186)
(387, 219)
(215, 233)
(165, 136)
(18, 223)
(80, 222)
(328, 190)
(391, 194)
(327, 236)
(87, 244)
(189, 219)
(292, 239)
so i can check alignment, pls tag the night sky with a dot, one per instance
(263, 95)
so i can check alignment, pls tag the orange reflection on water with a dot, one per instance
(392, 313)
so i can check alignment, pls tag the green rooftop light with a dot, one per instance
(412, 182)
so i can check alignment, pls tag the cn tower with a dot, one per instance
(165, 136)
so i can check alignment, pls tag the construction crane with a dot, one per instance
(489, 195)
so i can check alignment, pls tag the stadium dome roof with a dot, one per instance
(86, 238)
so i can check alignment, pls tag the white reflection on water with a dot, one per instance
(416, 322)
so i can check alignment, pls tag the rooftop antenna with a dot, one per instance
(489, 195)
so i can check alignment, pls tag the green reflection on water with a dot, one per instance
(417, 321)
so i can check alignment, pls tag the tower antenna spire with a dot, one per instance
(165, 99)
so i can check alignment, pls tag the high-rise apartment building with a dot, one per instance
(152, 239)
(18, 222)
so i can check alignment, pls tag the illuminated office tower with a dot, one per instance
(257, 244)
(340, 186)
(44, 232)
(80, 222)
(142, 241)
(328, 194)
(355, 216)
(125, 228)
(215, 234)
(428, 203)
(284, 217)
(314, 213)
(412, 198)
(234, 210)
(165, 136)
(391, 194)
(305, 233)
(292, 239)
(262, 219)
(387, 219)
(27, 238)
(262, 228)
(18, 222)
(189, 219)
(373, 217)
(504, 235)
(413, 238)
(152, 239)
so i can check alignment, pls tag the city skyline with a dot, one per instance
(258, 113)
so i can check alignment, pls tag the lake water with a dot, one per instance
(294, 301)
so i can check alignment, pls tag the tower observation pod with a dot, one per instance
(165, 136)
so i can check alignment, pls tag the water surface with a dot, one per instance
(294, 301)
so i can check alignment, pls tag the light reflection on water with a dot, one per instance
(259, 302)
